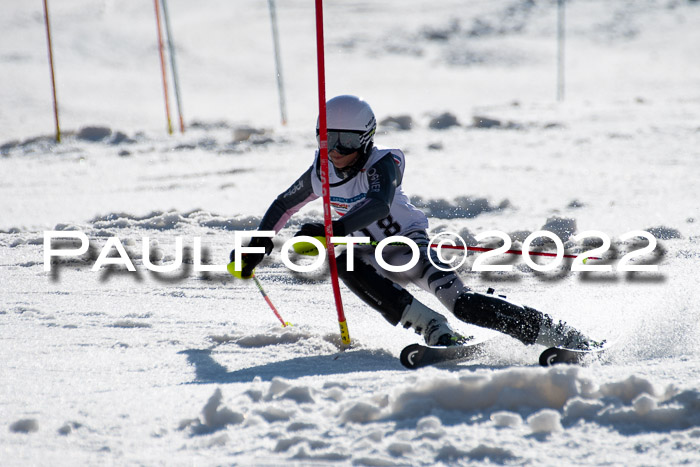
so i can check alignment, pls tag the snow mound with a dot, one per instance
(551, 397)
(507, 390)
(159, 220)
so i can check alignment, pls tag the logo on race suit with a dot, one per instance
(340, 206)
(294, 189)
(373, 180)
(397, 160)
(343, 204)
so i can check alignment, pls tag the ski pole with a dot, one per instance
(278, 62)
(231, 268)
(269, 302)
(173, 66)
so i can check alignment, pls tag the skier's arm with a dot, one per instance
(288, 203)
(383, 178)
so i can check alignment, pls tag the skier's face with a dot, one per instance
(340, 161)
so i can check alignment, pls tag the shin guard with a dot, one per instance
(487, 311)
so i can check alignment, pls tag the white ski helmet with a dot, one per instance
(351, 114)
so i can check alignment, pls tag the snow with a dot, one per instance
(189, 367)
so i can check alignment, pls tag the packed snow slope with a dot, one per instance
(110, 366)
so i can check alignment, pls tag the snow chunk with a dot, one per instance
(93, 133)
(25, 425)
(480, 121)
(449, 454)
(287, 335)
(430, 427)
(299, 426)
(232, 223)
(275, 414)
(578, 408)
(214, 417)
(255, 395)
(505, 418)
(629, 389)
(156, 220)
(299, 394)
(562, 227)
(244, 133)
(464, 207)
(283, 445)
(399, 449)
(361, 412)
(492, 453)
(443, 121)
(329, 456)
(664, 233)
(129, 324)
(545, 421)
(400, 122)
(644, 404)
(167, 221)
(335, 394)
(277, 386)
(68, 428)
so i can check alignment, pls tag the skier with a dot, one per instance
(365, 190)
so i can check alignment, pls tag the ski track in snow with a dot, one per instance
(118, 367)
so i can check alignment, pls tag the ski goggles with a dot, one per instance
(345, 142)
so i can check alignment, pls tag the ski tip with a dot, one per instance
(410, 356)
(557, 355)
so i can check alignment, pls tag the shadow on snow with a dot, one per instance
(208, 370)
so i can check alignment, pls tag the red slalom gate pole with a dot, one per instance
(162, 67)
(323, 154)
(53, 77)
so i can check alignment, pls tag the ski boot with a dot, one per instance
(430, 324)
(560, 334)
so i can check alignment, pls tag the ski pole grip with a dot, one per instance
(308, 248)
(231, 268)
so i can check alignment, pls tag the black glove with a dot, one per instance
(316, 229)
(250, 260)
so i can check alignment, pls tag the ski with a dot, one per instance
(557, 355)
(417, 356)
